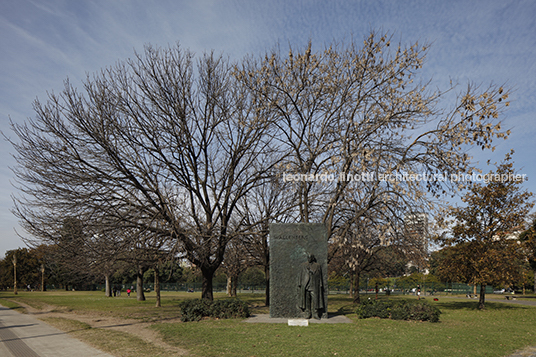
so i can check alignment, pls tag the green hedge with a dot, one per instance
(196, 309)
(399, 310)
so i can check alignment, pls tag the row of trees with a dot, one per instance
(166, 156)
(39, 269)
(45, 266)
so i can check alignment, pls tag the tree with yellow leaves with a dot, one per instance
(174, 147)
(352, 118)
(483, 234)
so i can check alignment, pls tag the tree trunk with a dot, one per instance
(140, 295)
(232, 282)
(357, 298)
(157, 287)
(482, 297)
(229, 285)
(267, 282)
(15, 276)
(206, 286)
(234, 285)
(351, 285)
(107, 291)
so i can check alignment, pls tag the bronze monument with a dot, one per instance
(311, 289)
(298, 270)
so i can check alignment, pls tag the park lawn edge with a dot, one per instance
(457, 313)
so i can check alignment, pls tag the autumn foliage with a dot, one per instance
(483, 235)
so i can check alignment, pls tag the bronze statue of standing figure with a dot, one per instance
(311, 288)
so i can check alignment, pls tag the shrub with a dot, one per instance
(229, 308)
(400, 310)
(374, 308)
(196, 309)
(422, 311)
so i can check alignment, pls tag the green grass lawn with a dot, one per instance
(93, 302)
(462, 331)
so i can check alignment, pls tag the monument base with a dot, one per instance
(266, 319)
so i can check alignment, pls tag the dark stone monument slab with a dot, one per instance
(298, 270)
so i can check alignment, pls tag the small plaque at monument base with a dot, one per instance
(298, 322)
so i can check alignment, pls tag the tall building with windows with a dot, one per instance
(417, 238)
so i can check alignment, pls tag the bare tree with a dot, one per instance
(158, 143)
(270, 202)
(365, 243)
(355, 121)
(236, 261)
(356, 109)
(164, 144)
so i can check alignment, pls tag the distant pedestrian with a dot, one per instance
(128, 292)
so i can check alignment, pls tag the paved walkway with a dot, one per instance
(23, 335)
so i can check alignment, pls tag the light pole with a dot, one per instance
(15, 273)
(43, 277)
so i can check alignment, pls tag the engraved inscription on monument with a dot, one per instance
(298, 270)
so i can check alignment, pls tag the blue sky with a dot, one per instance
(44, 42)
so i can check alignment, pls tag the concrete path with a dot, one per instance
(25, 336)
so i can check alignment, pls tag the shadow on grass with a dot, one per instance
(444, 304)
(473, 305)
(18, 307)
(345, 310)
(341, 304)
(10, 304)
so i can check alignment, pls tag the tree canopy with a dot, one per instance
(484, 234)
(172, 147)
